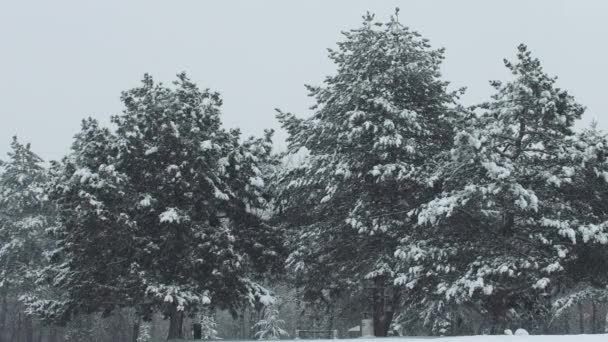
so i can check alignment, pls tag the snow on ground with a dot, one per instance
(492, 338)
(479, 338)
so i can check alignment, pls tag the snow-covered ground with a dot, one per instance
(495, 338)
(481, 338)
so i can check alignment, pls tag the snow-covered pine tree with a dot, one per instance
(270, 327)
(208, 327)
(504, 227)
(376, 124)
(24, 216)
(91, 265)
(585, 276)
(165, 213)
(201, 193)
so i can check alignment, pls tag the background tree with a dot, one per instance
(24, 217)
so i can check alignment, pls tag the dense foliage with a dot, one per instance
(375, 124)
(404, 205)
(165, 213)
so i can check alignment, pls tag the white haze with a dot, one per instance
(63, 60)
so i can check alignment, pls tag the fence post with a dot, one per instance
(335, 334)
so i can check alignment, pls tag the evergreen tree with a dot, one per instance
(505, 226)
(585, 275)
(375, 123)
(24, 216)
(91, 264)
(208, 327)
(270, 327)
(164, 214)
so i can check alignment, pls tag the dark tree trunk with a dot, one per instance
(330, 316)
(594, 325)
(3, 318)
(16, 330)
(176, 321)
(298, 312)
(153, 327)
(581, 319)
(378, 311)
(197, 332)
(601, 319)
(498, 311)
(136, 326)
(382, 308)
(29, 329)
(482, 325)
(384, 324)
(242, 324)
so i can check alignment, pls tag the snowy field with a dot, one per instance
(479, 338)
(493, 338)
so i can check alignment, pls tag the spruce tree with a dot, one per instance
(375, 123)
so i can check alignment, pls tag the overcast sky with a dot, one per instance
(61, 61)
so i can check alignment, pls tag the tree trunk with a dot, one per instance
(594, 328)
(3, 317)
(136, 326)
(330, 317)
(242, 324)
(378, 311)
(581, 318)
(52, 334)
(381, 316)
(153, 328)
(482, 325)
(298, 313)
(497, 312)
(197, 332)
(176, 320)
(605, 320)
(16, 330)
(29, 329)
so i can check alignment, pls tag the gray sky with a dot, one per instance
(61, 61)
